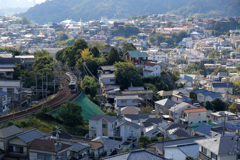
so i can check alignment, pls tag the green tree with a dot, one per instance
(89, 86)
(181, 34)
(43, 112)
(128, 47)
(143, 141)
(113, 56)
(71, 114)
(224, 52)
(153, 139)
(169, 24)
(62, 36)
(147, 109)
(238, 49)
(233, 108)
(238, 68)
(95, 52)
(41, 53)
(127, 149)
(80, 44)
(126, 74)
(218, 105)
(208, 105)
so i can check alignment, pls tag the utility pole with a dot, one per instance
(42, 88)
(36, 87)
(20, 94)
(54, 81)
(46, 87)
(13, 107)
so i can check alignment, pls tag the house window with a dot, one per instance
(112, 80)
(104, 126)
(213, 156)
(44, 157)
(204, 150)
(10, 148)
(134, 101)
(10, 90)
(123, 102)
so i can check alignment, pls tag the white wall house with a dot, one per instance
(107, 79)
(175, 112)
(3, 101)
(102, 125)
(195, 115)
(152, 69)
(11, 87)
(129, 129)
(128, 100)
(225, 88)
(219, 148)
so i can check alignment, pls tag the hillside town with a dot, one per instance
(160, 87)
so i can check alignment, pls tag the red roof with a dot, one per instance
(195, 110)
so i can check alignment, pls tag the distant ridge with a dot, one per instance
(58, 10)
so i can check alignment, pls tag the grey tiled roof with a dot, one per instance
(108, 143)
(137, 116)
(223, 145)
(182, 141)
(110, 68)
(10, 131)
(132, 124)
(154, 120)
(140, 154)
(101, 116)
(30, 135)
(166, 102)
(62, 134)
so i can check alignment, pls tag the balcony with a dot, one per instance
(202, 156)
(184, 119)
(92, 128)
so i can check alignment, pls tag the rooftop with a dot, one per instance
(10, 131)
(137, 53)
(46, 145)
(139, 154)
(195, 110)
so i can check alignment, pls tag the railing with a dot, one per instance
(202, 156)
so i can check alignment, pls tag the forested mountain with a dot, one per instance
(58, 10)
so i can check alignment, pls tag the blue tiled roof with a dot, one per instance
(204, 129)
(229, 126)
(191, 150)
(199, 91)
(222, 85)
(3, 93)
(208, 93)
(138, 53)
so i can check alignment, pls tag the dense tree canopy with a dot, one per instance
(62, 36)
(216, 105)
(128, 47)
(126, 74)
(89, 86)
(113, 56)
(71, 114)
(172, 40)
(195, 68)
(127, 31)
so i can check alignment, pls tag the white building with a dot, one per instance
(152, 69)
(195, 115)
(176, 111)
(102, 125)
